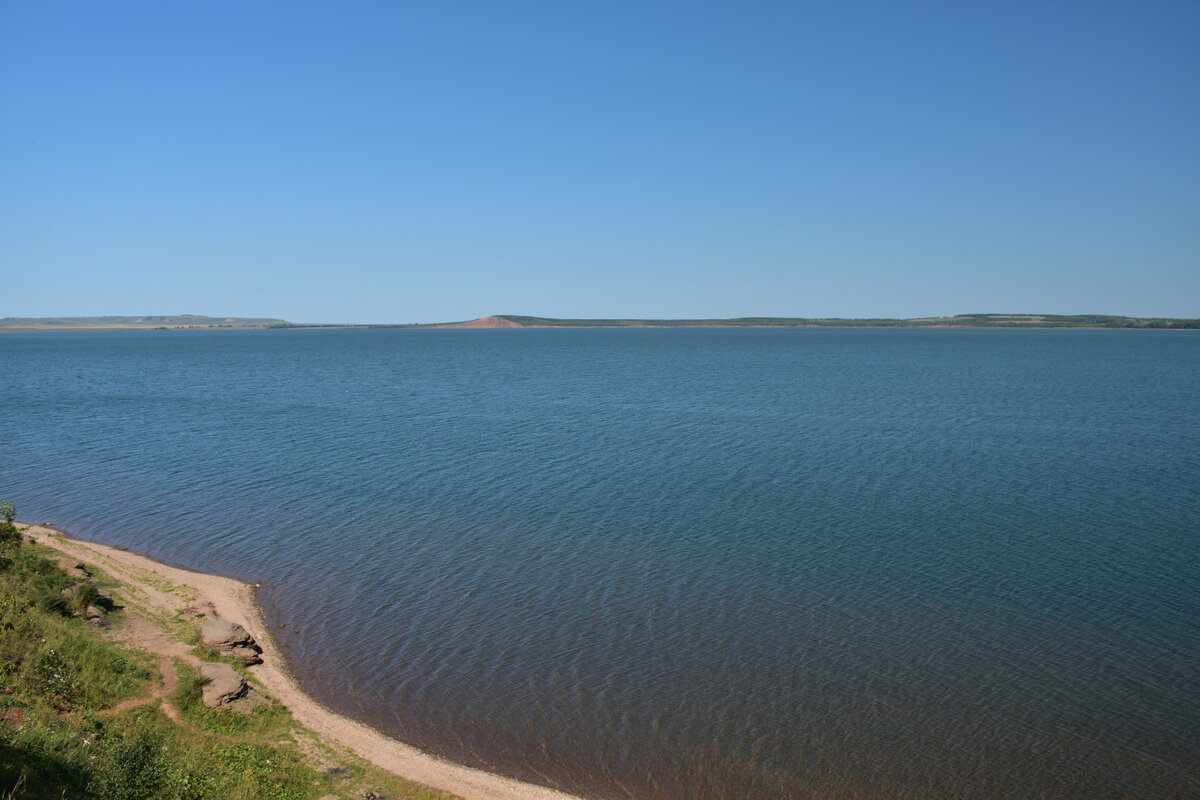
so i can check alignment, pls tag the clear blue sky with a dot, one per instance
(418, 162)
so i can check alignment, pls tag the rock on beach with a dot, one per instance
(224, 684)
(230, 639)
(225, 688)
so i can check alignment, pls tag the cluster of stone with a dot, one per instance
(226, 688)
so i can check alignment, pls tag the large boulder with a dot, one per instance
(227, 689)
(230, 639)
(224, 684)
(221, 634)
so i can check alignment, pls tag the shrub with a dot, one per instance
(51, 600)
(9, 535)
(53, 678)
(82, 596)
(133, 769)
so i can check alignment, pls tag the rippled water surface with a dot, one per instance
(676, 563)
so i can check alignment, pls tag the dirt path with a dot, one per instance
(139, 632)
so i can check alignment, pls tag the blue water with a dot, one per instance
(676, 563)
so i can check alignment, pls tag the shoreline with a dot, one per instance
(156, 591)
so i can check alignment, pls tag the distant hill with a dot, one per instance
(958, 321)
(197, 322)
(177, 322)
(488, 322)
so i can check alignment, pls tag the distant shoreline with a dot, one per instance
(511, 322)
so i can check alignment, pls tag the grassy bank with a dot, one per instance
(80, 716)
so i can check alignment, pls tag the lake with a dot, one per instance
(682, 563)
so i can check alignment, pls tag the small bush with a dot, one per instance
(82, 596)
(266, 773)
(53, 678)
(135, 768)
(9, 535)
(51, 601)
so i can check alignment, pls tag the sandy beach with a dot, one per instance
(152, 595)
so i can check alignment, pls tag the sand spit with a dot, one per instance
(156, 592)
